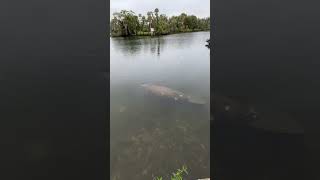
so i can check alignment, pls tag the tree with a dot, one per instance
(173, 24)
(115, 28)
(181, 22)
(143, 19)
(156, 11)
(163, 25)
(128, 22)
(150, 19)
(191, 22)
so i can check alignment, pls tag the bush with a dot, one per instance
(177, 175)
(140, 33)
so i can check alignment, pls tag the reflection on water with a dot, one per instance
(151, 135)
(136, 45)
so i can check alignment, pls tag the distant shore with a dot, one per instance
(142, 34)
(126, 23)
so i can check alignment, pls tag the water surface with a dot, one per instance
(151, 136)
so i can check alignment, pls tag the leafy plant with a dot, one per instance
(178, 175)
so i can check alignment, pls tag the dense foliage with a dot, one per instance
(127, 23)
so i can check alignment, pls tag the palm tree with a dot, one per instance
(156, 13)
(143, 20)
(157, 17)
(149, 19)
(140, 27)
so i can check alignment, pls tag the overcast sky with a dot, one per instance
(200, 8)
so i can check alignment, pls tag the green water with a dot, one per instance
(151, 136)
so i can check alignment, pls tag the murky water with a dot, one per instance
(153, 136)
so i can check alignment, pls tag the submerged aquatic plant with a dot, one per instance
(178, 175)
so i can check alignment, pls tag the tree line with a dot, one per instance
(127, 23)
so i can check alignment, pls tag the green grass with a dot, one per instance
(178, 175)
(140, 33)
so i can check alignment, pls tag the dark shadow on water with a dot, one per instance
(244, 152)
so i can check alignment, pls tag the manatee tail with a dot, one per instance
(144, 84)
(196, 100)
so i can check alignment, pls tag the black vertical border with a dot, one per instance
(303, 34)
(107, 131)
(212, 53)
(54, 73)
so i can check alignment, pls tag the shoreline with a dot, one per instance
(161, 34)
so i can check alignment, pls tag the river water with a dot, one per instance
(151, 136)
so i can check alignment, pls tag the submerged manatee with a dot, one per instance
(164, 91)
(234, 111)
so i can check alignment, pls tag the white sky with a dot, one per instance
(199, 8)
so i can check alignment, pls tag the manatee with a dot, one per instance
(262, 117)
(164, 91)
